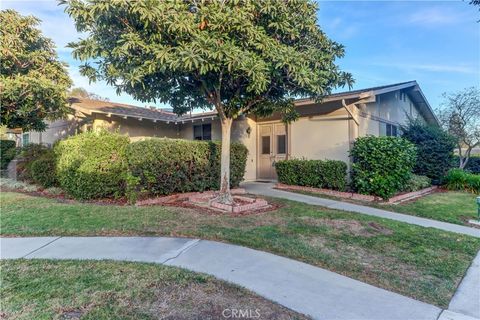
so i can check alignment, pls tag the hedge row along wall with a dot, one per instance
(104, 164)
(330, 174)
(165, 166)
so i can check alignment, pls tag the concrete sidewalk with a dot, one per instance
(301, 287)
(266, 189)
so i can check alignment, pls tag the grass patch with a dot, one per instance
(44, 289)
(423, 263)
(450, 206)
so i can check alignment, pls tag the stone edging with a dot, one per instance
(356, 196)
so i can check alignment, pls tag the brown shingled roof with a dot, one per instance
(119, 109)
(124, 110)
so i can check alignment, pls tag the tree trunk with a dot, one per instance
(464, 161)
(224, 195)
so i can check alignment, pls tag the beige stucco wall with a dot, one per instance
(135, 128)
(56, 130)
(388, 108)
(323, 137)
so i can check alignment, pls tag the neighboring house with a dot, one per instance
(324, 130)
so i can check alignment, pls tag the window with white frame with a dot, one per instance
(388, 129)
(25, 139)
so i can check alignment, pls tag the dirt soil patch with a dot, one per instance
(353, 227)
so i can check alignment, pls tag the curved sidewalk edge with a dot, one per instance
(266, 189)
(313, 291)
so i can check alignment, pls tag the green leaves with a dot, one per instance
(382, 165)
(330, 174)
(33, 83)
(228, 53)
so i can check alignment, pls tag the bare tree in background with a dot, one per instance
(460, 116)
(80, 92)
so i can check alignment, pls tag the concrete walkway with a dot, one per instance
(301, 287)
(266, 189)
(467, 297)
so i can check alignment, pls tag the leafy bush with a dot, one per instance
(26, 156)
(416, 183)
(434, 149)
(381, 165)
(92, 164)
(165, 166)
(457, 179)
(7, 152)
(330, 174)
(43, 170)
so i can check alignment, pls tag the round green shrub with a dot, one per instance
(7, 152)
(381, 165)
(43, 170)
(92, 164)
(26, 156)
(163, 166)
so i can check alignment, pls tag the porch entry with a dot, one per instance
(272, 147)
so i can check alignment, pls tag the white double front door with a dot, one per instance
(271, 147)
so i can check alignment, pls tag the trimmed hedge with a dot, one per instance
(330, 174)
(434, 149)
(7, 152)
(457, 179)
(92, 164)
(381, 165)
(43, 170)
(162, 166)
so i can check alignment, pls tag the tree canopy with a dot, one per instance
(34, 83)
(238, 56)
(195, 54)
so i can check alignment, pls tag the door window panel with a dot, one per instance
(266, 145)
(281, 144)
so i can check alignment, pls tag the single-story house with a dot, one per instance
(324, 130)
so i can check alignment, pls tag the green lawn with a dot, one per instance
(43, 289)
(426, 264)
(448, 206)
(453, 207)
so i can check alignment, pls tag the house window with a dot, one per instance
(281, 144)
(25, 139)
(389, 130)
(202, 132)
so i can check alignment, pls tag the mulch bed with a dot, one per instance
(176, 200)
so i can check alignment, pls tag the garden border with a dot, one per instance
(356, 196)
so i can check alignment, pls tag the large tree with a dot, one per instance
(33, 82)
(460, 116)
(237, 57)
